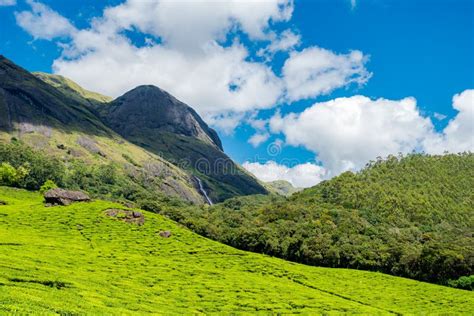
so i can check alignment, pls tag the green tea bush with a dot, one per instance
(48, 185)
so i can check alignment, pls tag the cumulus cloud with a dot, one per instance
(315, 71)
(458, 136)
(439, 116)
(287, 40)
(348, 132)
(43, 23)
(301, 175)
(258, 138)
(194, 50)
(7, 3)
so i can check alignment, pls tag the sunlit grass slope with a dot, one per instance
(77, 260)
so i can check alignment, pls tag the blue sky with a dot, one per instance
(411, 49)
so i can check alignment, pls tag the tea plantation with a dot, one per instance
(76, 260)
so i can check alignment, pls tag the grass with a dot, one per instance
(75, 260)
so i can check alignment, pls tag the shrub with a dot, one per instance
(465, 283)
(11, 176)
(48, 185)
(40, 166)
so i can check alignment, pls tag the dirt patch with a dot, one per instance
(131, 217)
(3, 202)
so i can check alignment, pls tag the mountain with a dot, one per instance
(72, 89)
(78, 260)
(148, 110)
(155, 120)
(281, 187)
(26, 100)
(146, 126)
(409, 216)
(43, 117)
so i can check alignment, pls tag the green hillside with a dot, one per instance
(159, 123)
(75, 259)
(409, 216)
(62, 125)
(72, 89)
(281, 187)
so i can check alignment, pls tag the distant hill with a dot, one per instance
(411, 216)
(77, 260)
(281, 187)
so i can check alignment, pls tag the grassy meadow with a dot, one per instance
(76, 260)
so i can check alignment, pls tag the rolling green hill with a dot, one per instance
(76, 260)
(410, 216)
(281, 187)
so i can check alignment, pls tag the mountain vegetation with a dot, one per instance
(155, 120)
(54, 115)
(409, 216)
(72, 89)
(150, 160)
(281, 187)
(78, 259)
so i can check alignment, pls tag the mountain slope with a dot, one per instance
(25, 99)
(281, 187)
(44, 118)
(72, 89)
(148, 109)
(409, 216)
(76, 260)
(155, 120)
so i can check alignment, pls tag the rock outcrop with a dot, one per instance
(131, 217)
(59, 196)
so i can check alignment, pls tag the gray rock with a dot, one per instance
(131, 217)
(165, 234)
(64, 197)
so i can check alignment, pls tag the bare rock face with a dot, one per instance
(64, 197)
(131, 217)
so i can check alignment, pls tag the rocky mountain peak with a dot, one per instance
(149, 107)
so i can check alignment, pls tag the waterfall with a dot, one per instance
(203, 192)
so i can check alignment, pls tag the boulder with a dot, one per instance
(131, 217)
(64, 197)
(165, 234)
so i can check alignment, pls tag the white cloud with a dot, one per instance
(316, 71)
(439, 116)
(287, 40)
(183, 53)
(43, 23)
(348, 132)
(7, 3)
(189, 25)
(301, 175)
(458, 136)
(258, 138)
